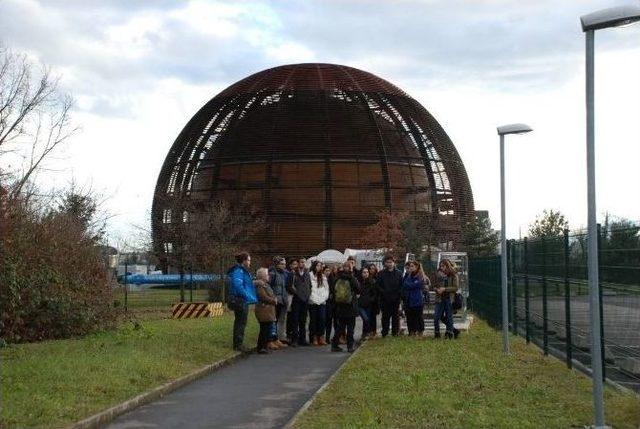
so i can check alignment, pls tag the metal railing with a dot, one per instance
(548, 298)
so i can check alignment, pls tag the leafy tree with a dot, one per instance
(479, 237)
(548, 224)
(418, 232)
(620, 250)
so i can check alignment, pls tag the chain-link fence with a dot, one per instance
(549, 297)
(155, 300)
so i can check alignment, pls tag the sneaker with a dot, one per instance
(263, 351)
(456, 333)
(304, 344)
(448, 335)
(350, 349)
(437, 335)
(336, 349)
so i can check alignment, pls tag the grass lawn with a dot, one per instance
(406, 382)
(54, 383)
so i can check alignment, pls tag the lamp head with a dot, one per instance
(514, 129)
(611, 17)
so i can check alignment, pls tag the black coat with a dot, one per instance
(389, 285)
(369, 295)
(347, 310)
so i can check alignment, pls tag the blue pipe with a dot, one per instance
(167, 279)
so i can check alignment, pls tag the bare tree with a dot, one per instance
(34, 117)
(204, 235)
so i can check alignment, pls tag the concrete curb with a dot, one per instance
(110, 414)
(307, 404)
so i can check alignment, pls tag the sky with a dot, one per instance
(139, 70)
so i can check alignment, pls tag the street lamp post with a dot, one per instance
(502, 131)
(612, 17)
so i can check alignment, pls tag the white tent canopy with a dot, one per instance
(330, 256)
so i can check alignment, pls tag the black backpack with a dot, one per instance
(457, 302)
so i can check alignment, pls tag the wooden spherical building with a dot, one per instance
(318, 149)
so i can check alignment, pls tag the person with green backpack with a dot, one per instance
(345, 292)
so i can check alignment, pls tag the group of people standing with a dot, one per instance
(331, 297)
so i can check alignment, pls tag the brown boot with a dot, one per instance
(321, 341)
(315, 341)
(271, 345)
(281, 344)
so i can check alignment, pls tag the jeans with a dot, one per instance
(348, 323)
(390, 314)
(240, 311)
(365, 314)
(281, 317)
(317, 317)
(263, 336)
(415, 321)
(373, 318)
(299, 311)
(443, 306)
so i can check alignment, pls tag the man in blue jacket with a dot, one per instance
(242, 293)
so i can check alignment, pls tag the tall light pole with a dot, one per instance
(605, 18)
(503, 131)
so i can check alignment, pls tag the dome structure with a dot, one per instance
(318, 149)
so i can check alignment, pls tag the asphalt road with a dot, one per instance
(261, 391)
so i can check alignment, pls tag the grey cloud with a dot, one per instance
(504, 45)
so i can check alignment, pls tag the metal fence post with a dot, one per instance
(602, 353)
(190, 283)
(567, 301)
(509, 283)
(514, 289)
(181, 283)
(545, 321)
(126, 267)
(527, 320)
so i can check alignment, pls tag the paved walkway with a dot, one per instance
(261, 391)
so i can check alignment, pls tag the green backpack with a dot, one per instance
(343, 291)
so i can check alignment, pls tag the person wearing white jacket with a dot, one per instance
(317, 304)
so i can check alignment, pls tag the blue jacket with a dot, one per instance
(412, 286)
(242, 284)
